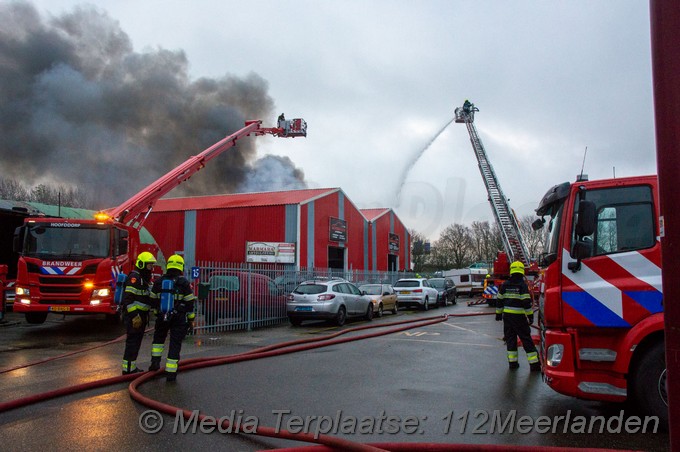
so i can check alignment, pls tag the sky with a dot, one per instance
(378, 81)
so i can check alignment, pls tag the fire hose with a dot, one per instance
(326, 442)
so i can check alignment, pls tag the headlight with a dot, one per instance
(555, 354)
(101, 293)
(22, 291)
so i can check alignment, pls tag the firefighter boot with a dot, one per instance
(513, 365)
(535, 367)
(155, 363)
(133, 371)
(170, 376)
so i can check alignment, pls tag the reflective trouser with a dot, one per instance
(177, 326)
(515, 325)
(133, 341)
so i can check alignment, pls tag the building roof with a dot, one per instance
(373, 214)
(271, 198)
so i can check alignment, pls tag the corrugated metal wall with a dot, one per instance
(221, 234)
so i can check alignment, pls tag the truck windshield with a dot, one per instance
(45, 241)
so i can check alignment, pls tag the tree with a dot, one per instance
(11, 189)
(456, 243)
(486, 241)
(535, 240)
(418, 251)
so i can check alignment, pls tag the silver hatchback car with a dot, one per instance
(327, 299)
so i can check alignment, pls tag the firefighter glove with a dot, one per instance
(137, 322)
(499, 317)
(530, 318)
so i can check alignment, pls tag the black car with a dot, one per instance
(446, 288)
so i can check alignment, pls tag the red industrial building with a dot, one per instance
(312, 228)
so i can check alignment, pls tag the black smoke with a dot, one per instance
(80, 107)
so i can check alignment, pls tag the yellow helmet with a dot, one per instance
(517, 267)
(176, 261)
(488, 276)
(143, 259)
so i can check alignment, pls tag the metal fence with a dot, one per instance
(238, 296)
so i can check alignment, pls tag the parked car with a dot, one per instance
(289, 281)
(383, 297)
(416, 292)
(446, 288)
(231, 293)
(327, 299)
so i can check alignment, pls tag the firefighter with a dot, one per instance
(514, 308)
(177, 322)
(135, 306)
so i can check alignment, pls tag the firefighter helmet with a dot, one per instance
(517, 267)
(176, 261)
(144, 258)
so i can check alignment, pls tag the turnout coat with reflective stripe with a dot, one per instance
(514, 297)
(136, 293)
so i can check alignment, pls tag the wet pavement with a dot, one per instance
(442, 383)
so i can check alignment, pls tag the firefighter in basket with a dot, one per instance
(514, 308)
(135, 306)
(175, 300)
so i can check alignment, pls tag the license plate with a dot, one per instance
(404, 292)
(60, 308)
(304, 308)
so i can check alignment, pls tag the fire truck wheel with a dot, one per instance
(649, 383)
(36, 318)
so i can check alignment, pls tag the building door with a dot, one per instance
(336, 258)
(392, 262)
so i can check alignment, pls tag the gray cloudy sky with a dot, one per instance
(376, 80)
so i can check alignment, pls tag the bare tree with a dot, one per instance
(535, 240)
(456, 243)
(486, 240)
(13, 190)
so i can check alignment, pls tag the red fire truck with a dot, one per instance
(601, 305)
(69, 266)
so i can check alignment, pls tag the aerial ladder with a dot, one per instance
(513, 242)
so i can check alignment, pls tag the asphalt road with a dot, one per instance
(442, 383)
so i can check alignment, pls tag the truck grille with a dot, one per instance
(61, 280)
(60, 289)
(42, 301)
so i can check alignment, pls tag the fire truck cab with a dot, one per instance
(601, 306)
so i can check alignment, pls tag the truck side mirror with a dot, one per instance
(203, 291)
(538, 224)
(586, 218)
(18, 240)
(582, 249)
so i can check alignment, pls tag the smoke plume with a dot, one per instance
(81, 108)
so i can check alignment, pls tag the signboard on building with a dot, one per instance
(338, 230)
(393, 245)
(270, 252)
